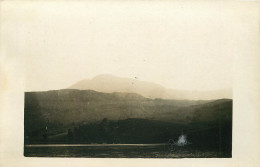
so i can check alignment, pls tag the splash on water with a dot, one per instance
(182, 140)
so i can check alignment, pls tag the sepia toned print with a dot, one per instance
(129, 83)
(109, 116)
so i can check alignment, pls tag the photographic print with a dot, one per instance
(115, 117)
(128, 83)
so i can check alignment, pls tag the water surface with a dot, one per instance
(115, 151)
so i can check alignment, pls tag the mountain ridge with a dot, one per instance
(108, 84)
(88, 105)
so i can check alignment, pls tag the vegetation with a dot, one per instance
(85, 116)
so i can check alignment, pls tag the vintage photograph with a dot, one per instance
(109, 116)
(129, 83)
(146, 82)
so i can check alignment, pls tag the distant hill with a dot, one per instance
(68, 106)
(87, 116)
(109, 83)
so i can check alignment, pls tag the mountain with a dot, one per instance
(109, 83)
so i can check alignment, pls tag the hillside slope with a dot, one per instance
(67, 106)
(60, 109)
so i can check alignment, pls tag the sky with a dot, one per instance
(180, 45)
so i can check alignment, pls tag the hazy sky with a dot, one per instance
(177, 44)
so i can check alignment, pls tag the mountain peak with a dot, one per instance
(108, 83)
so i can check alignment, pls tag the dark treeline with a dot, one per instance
(214, 136)
(131, 131)
(217, 136)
